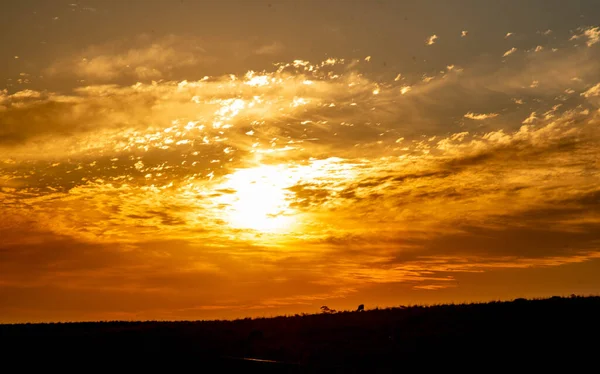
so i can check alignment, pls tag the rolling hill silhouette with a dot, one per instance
(382, 340)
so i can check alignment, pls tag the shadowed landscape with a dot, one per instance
(545, 330)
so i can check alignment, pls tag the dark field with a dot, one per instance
(538, 332)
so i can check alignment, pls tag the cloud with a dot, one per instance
(431, 40)
(153, 60)
(592, 34)
(433, 287)
(270, 49)
(509, 52)
(532, 117)
(481, 116)
(593, 91)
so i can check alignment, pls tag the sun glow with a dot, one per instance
(259, 199)
(265, 198)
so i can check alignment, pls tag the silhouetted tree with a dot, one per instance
(255, 335)
(361, 308)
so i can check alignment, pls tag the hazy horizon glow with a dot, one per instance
(158, 171)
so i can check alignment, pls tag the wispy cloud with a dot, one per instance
(114, 60)
(592, 91)
(431, 40)
(532, 118)
(592, 34)
(480, 116)
(509, 52)
(270, 49)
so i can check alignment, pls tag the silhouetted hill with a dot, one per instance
(383, 340)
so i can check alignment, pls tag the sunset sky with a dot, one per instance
(223, 159)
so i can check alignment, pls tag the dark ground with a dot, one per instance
(540, 333)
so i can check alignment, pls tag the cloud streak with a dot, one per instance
(509, 52)
(481, 116)
(114, 60)
(431, 40)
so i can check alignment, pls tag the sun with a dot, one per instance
(258, 199)
(261, 198)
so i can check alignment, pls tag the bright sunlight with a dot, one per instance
(258, 199)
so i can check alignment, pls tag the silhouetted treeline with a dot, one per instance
(381, 340)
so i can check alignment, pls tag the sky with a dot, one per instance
(183, 160)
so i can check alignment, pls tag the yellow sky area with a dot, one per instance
(280, 191)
